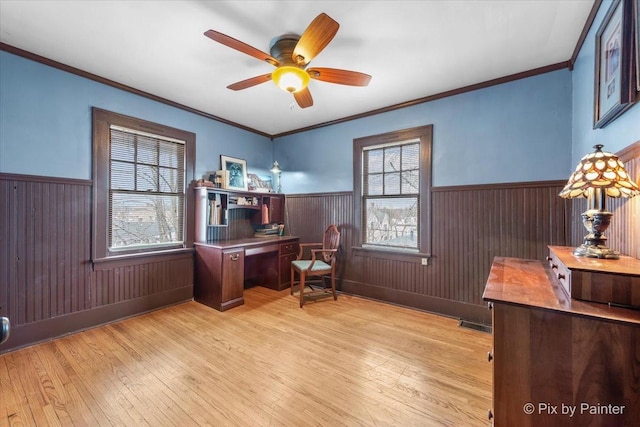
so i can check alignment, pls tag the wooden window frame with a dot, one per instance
(102, 121)
(425, 135)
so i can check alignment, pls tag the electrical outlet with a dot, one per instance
(425, 261)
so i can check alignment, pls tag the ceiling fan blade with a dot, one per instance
(342, 77)
(303, 98)
(315, 38)
(242, 47)
(250, 82)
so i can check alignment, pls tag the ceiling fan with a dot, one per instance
(291, 54)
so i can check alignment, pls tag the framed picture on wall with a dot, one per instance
(237, 176)
(614, 84)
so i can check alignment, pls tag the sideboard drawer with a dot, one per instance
(562, 273)
(614, 281)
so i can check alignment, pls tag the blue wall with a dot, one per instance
(531, 129)
(620, 133)
(513, 132)
(526, 130)
(45, 123)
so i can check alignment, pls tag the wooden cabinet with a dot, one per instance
(275, 204)
(232, 277)
(219, 277)
(288, 253)
(556, 360)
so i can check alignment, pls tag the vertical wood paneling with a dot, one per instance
(118, 284)
(45, 255)
(7, 251)
(45, 268)
(45, 265)
(471, 225)
(624, 231)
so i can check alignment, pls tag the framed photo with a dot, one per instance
(237, 176)
(614, 86)
(259, 184)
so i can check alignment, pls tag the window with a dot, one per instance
(146, 192)
(140, 175)
(392, 180)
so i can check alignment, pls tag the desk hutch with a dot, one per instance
(228, 255)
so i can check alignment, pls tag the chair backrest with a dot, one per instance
(331, 240)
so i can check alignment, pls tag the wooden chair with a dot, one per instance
(322, 263)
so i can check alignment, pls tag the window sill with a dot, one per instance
(115, 261)
(392, 254)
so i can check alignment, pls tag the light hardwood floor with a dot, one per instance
(352, 362)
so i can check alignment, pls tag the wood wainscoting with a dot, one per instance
(48, 286)
(471, 225)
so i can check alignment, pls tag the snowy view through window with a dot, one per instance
(391, 195)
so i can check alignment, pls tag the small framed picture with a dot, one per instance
(259, 184)
(237, 176)
(614, 83)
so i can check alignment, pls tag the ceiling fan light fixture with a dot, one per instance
(290, 78)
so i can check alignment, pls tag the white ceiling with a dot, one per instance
(413, 49)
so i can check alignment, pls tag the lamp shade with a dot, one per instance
(290, 78)
(600, 170)
(276, 167)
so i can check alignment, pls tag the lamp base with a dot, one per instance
(596, 251)
(596, 222)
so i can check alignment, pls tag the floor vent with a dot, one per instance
(475, 326)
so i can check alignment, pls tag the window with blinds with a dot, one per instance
(392, 192)
(146, 190)
(391, 195)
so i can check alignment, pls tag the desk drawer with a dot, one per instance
(261, 250)
(288, 248)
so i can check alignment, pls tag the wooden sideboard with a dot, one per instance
(224, 268)
(559, 361)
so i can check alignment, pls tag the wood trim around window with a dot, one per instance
(425, 134)
(101, 130)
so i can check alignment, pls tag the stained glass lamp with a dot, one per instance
(598, 175)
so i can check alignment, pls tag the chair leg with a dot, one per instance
(293, 272)
(301, 286)
(333, 285)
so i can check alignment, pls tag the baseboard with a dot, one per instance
(456, 309)
(45, 330)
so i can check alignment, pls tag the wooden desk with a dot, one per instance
(550, 350)
(223, 268)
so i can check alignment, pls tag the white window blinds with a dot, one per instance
(147, 190)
